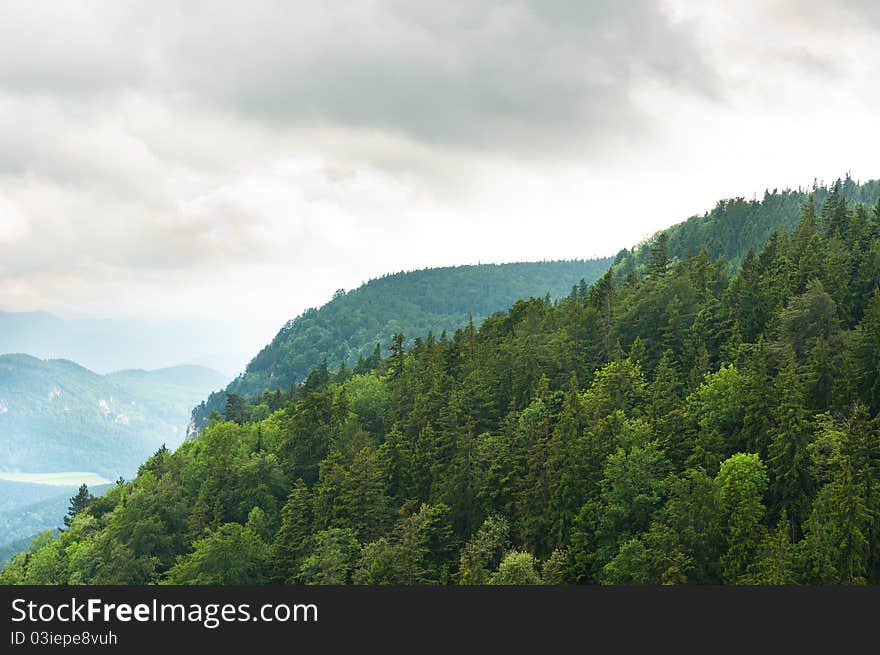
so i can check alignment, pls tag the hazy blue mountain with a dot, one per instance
(57, 416)
(112, 344)
(64, 424)
(18, 494)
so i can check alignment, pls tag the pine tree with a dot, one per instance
(292, 541)
(484, 550)
(329, 505)
(806, 248)
(658, 261)
(363, 502)
(235, 409)
(777, 563)
(566, 471)
(602, 298)
(864, 355)
(398, 354)
(757, 402)
(77, 503)
(742, 483)
(821, 374)
(788, 460)
(842, 531)
(746, 296)
(318, 378)
(850, 518)
(835, 217)
(666, 413)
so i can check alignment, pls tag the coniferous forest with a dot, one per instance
(348, 328)
(695, 416)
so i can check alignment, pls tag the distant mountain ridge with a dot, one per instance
(56, 415)
(411, 302)
(104, 345)
(59, 417)
(415, 302)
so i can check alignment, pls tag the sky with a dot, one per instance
(243, 160)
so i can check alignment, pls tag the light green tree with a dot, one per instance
(517, 568)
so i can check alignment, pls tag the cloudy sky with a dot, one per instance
(223, 159)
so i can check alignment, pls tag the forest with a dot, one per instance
(683, 420)
(348, 327)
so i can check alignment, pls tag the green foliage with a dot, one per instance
(77, 503)
(696, 423)
(348, 328)
(232, 555)
(718, 409)
(554, 570)
(629, 566)
(517, 568)
(332, 558)
(291, 543)
(776, 565)
(483, 552)
(633, 489)
(742, 483)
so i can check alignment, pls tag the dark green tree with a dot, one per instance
(78, 503)
(658, 261)
(293, 539)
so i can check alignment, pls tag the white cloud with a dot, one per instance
(178, 159)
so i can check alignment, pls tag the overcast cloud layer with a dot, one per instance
(232, 159)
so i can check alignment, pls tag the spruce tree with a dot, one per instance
(742, 483)
(788, 459)
(658, 261)
(293, 539)
(235, 409)
(835, 217)
(77, 503)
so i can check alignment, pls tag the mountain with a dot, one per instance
(736, 225)
(687, 424)
(57, 416)
(112, 344)
(350, 326)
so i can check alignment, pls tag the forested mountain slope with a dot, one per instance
(350, 326)
(736, 225)
(686, 424)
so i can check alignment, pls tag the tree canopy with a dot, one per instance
(683, 424)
